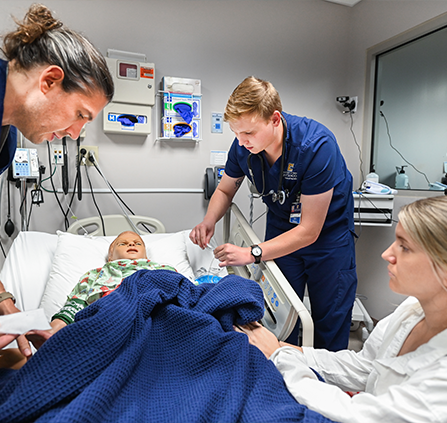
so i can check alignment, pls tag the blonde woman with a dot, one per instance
(401, 373)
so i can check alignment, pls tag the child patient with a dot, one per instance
(127, 254)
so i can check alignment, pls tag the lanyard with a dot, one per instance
(280, 194)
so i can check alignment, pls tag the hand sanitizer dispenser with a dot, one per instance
(401, 178)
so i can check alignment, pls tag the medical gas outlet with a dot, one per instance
(84, 153)
(130, 110)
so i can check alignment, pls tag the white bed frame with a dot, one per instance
(282, 304)
(115, 224)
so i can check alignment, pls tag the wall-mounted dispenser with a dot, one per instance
(181, 109)
(130, 110)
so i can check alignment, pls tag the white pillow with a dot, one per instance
(27, 267)
(77, 254)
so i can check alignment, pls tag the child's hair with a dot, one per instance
(253, 96)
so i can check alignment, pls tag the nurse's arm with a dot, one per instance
(314, 210)
(313, 215)
(219, 204)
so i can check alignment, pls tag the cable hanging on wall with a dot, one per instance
(396, 150)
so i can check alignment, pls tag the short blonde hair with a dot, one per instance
(425, 222)
(253, 96)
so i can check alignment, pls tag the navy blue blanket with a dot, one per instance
(156, 349)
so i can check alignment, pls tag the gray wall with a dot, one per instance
(311, 50)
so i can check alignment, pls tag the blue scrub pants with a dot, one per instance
(331, 279)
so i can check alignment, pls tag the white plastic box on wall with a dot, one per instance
(130, 110)
(134, 81)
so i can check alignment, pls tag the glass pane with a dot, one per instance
(410, 113)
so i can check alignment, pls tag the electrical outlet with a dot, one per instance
(356, 101)
(87, 149)
(57, 158)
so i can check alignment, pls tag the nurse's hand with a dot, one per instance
(232, 255)
(202, 234)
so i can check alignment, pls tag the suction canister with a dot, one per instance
(401, 178)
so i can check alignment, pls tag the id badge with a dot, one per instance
(295, 214)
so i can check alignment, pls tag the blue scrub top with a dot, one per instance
(9, 148)
(313, 164)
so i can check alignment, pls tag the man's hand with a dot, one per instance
(232, 255)
(8, 307)
(202, 234)
(22, 342)
(38, 337)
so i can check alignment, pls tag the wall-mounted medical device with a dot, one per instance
(131, 108)
(25, 164)
(212, 179)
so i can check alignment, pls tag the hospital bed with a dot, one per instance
(41, 269)
(108, 365)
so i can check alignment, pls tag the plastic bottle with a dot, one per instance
(401, 178)
(372, 176)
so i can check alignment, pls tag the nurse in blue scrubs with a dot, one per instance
(297, 167)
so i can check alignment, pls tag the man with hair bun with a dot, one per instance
(52, 83)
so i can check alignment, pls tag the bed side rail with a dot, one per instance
(282, 305)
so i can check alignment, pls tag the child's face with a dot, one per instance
(127, 245)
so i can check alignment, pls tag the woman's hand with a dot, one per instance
(260, 337)
(263, 339)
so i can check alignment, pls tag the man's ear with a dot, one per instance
(276, 118)
(51, 77)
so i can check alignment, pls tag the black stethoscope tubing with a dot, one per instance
(280, 194)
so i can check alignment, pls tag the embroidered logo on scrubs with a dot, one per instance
(290, 175)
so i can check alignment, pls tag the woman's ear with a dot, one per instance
(51, 77)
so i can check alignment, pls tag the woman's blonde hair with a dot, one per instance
(425, 222)
(252, 96)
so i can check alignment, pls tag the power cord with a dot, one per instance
(93, 197)
(362, 178)
(92, 159)
(397, 151)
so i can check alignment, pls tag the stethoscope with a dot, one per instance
(280, 195)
